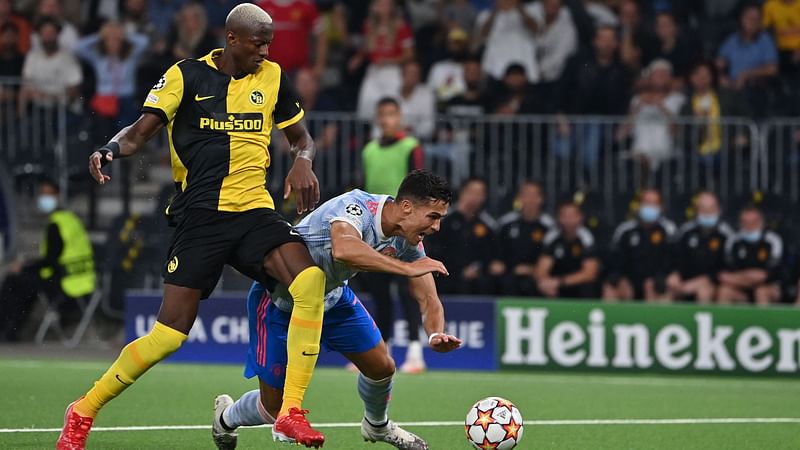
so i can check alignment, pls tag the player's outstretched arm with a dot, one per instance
(301, 179)
(423, 289)
(348, 248)
(126, 143)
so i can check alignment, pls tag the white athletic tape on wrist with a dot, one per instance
(430, 338)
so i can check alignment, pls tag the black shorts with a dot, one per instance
(206, 240)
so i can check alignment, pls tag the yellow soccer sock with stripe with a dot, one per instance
(305, 330)
(134, 360)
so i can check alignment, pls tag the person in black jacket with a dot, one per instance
(699, 252)
(639, 262)
(465, 243)
(520, 241)
(568, 267)
(753, 259)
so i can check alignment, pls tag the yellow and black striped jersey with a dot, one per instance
(219, 131)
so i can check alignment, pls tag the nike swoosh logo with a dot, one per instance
(120, 380)
(294, 233)
(310, 354)
(197, 98)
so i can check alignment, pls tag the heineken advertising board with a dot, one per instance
(572, 335)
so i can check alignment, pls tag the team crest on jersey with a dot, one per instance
(714, 244)
(762, 254)
(354, 210)
(173, 265)
(537, 235)
(656, 238)
(257, 98)
(576, 250)
(160, 83)
(389, 251)
(480, 230)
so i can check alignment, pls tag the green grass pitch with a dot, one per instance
(34, 394)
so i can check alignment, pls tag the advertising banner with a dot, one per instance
(220, 333)
(571, 335)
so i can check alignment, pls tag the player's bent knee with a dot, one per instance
(307, 285)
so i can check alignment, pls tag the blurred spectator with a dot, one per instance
(601, 14)
(49, 72)
(458, 14)
(515, 95)
(67, 37)
(568, 267)
(417, 102)
(699, 253)
(753, 259)
(65, 271)
(217, 11)
(311, 96)
(594, 83)
(11, 59)
(446, 77)
(388, 43)
(651, 119)
(709, 103)
(333, 21)
(556, 40)
(672, 45)
(639, 262)
(508, 33)
(7, 16)
(782, 17)
(520, 241)
(389, 158)
(634, 36)
(135, 18)
(748, 57)
(114, 58)
(190, 37)
(162, 13)
(296, 24)
(473, 101)
(465, 243)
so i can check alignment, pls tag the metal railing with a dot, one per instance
(33, 135)
(609, 157)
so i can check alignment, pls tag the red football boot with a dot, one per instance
(76, 430)
(294, 428)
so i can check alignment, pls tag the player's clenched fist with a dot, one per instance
(424, 266)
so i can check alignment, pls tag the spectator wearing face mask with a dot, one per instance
(753, 257)
(699, 252)
(640, 254)
(65, 268)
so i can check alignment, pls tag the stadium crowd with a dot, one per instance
(527, 252)
(649, 60)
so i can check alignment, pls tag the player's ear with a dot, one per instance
(407, 206)
(231, 37)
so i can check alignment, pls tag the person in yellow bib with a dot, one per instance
(64, 270)
(219, 111)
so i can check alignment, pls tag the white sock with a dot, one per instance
(414, 351)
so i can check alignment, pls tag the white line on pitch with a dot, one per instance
(698, 421)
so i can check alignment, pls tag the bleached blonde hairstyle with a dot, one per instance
(248, 15)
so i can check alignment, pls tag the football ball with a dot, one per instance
(494, 423)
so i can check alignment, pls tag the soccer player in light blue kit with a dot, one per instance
(354, 232)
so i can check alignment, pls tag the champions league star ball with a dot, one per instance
(494, 423)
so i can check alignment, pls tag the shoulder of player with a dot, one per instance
(773, 239)
(687, 227)
(488, 220)
(726, 230)
(624, 228)
(547, 220)
(507, 219)
(668, 225)
(551, 237)
(586, 237)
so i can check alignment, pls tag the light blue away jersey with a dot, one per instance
(361, 210)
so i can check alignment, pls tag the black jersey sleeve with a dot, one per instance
(287, 107)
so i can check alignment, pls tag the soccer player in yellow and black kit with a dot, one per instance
(218, 111)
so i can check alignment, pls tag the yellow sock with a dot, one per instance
(133, 361)
(305, 330)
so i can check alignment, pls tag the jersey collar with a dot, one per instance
(378, 215)
(209, 58)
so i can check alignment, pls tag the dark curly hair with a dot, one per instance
(424, 186)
